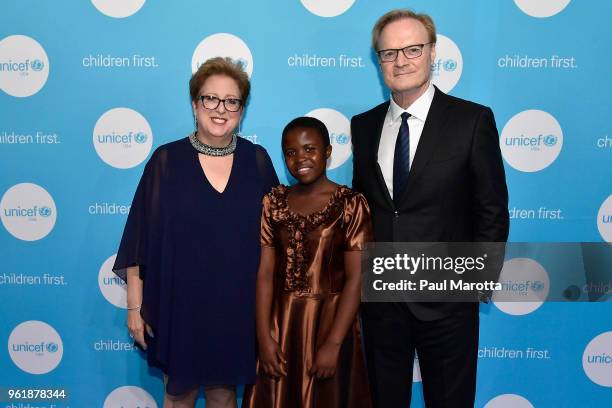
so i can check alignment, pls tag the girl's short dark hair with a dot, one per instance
(310, 123)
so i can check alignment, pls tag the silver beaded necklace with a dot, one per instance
(212, 150)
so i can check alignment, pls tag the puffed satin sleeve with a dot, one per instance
(267, 231)
(358, 227)
(144, 215)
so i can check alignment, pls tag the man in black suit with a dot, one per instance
(430, 167)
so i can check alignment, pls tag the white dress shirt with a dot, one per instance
(386, 149)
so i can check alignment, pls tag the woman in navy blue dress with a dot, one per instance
(190, 248)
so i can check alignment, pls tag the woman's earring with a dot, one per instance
(195, 122)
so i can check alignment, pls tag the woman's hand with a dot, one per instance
(325, 361)
(137, 326)
(271, 358)
(135, 322)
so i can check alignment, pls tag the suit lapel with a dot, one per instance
(377, 124)
(430, 137)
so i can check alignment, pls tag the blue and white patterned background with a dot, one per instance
(91, 88)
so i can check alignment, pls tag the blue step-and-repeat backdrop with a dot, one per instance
(91, 88)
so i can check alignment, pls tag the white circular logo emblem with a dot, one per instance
(597, 359)
(508, 401)
(129, 397)
(531, 140)
(122, 138)
(525, 286)
(327, 8)
(28, 211)
(223, 45)
(541, 8)
(448, 65)
(24, 66)
(112, 287)
(604, 219)
(118, 8)
(339, 129)
(35, 347)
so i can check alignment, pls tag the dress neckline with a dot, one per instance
(339, 191)
(202, 173)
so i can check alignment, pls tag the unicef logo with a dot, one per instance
(447, 68)
(597, 359)
(339, 129)
(141, 137)
(52, 347)
(242, 62)
(223, 45)
(525, 286)
(540, 8)
(531, 140)
(35, 347)
(28, 211)
(38, 65)
(327, 8)
(118, 8)
(121, 138)
(537, 286)
(24, 66)
(111, 286)
(125, 139)
(450, 65)
(550, 140)
(341, 139)
(604, 219)
(129, 397)
(45, 211)
(509, 401)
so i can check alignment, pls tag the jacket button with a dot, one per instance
(396, 213)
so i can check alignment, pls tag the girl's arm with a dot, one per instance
(327, 355)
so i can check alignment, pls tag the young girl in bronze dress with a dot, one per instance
(309, 284)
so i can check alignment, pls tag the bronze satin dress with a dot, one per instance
(308, 280)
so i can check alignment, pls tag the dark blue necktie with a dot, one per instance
(401, 159)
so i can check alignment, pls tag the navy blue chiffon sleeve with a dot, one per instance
(266, 170)
(145, 212)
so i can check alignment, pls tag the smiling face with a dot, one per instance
(406, 77)
(305, 154)
(217, 124)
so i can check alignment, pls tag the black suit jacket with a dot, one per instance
(456, 189)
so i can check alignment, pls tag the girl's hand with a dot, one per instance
(326, 361)
(271, 358)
